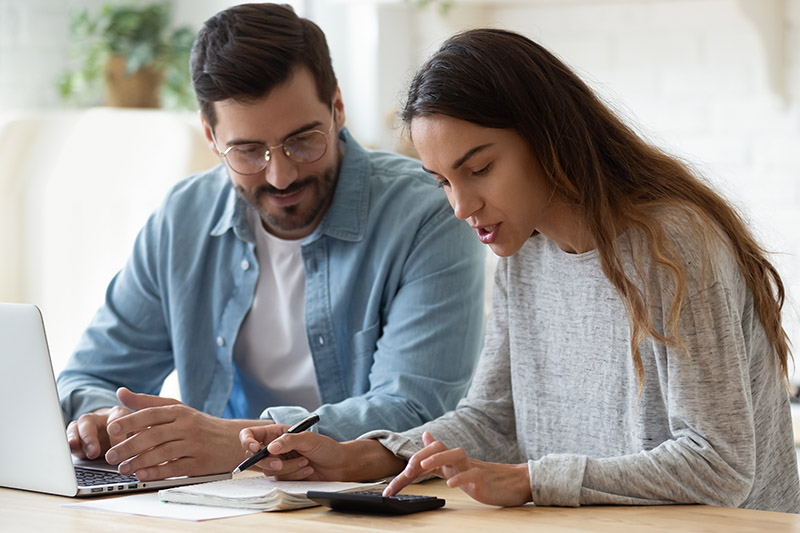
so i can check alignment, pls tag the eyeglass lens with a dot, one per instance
(306, 147)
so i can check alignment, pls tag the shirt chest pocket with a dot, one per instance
(363, 343)
(363, 346)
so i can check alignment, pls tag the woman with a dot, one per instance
(635, 353)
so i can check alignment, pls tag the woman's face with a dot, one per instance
(491, 178)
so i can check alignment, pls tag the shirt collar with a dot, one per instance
(234, 215)
(346, 217)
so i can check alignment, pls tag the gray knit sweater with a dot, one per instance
(556, 387)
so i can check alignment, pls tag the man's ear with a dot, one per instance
(208, 133)
(338, 109)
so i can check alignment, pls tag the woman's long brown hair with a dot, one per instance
(591, 159)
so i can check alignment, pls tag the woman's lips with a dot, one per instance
(488, 234)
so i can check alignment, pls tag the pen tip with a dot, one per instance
(236, 470)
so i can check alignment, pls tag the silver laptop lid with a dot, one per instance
(34, 453)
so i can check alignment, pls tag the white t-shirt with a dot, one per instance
(272, 347)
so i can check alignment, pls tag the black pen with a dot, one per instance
(303, 425)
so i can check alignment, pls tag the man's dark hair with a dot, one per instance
(247, 50)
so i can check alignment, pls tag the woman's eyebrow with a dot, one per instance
(463, 159)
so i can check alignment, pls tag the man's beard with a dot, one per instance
(299, 216)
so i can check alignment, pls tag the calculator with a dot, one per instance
(375, 502)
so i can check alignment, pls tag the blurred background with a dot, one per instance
(716, 82)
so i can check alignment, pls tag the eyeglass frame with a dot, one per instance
(268, 149)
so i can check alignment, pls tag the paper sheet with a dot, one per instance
(149, 504)
(256, 486)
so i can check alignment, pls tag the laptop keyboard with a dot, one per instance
(90, 478)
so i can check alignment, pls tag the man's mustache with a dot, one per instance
(268, 189)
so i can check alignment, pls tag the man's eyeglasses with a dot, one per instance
(252, 158)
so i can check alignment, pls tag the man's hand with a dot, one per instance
(490, 483)
(87, 436)
(312, 456)
(166, 438)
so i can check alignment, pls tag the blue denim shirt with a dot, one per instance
(394, 314)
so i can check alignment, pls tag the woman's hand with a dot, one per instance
(285, 462)
(490, 483)
(312, 456)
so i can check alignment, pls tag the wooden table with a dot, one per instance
(22, 511)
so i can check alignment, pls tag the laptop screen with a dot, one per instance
(36, 456)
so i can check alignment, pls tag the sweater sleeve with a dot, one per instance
(483, 422)
(710, 458)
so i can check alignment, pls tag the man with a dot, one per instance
(303, 274)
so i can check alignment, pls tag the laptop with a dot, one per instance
(34, 452)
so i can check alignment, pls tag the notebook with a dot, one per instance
(34, 452)
(258, 492)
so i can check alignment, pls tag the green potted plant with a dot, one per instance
(130, 53)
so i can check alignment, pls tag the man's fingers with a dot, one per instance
(166, 452)
(132, 423)
(75, 445)
(72, 434)
(136, 402)
(141, 442)
(89, 439)
(116, 413)
(179, 467)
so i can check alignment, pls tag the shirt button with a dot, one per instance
(245, 264)
(321, 341)
(220, 341)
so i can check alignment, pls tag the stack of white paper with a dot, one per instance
(260, 493)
